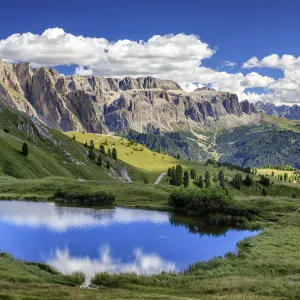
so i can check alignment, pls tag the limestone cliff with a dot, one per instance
(99, 104)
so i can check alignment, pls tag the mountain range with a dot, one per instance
(283, 111)
(110, 105)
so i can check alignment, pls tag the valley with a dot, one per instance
(200, 165)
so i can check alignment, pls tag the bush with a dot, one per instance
(98, 198)
(202, 201)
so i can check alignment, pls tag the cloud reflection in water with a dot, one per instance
(57, 218)
(141, 263)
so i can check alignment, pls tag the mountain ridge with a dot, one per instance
(282, 111)
(107, 105)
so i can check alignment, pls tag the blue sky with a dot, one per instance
(235, 30)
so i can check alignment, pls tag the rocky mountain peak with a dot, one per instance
(99, 104)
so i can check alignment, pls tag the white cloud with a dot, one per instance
(178, 57)
(284, 90)
(227, 64)
(274, 61)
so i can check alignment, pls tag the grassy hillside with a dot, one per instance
(51, 153)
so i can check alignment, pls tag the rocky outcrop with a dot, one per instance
(248, 108)
(99, 104)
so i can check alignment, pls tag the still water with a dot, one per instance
(111, 240)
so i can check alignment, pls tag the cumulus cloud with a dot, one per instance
(274, 61)
(177, 57)
(284, 90)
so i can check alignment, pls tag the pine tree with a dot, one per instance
(169, 173)
(221, 178)
(186, 179)
(178, 156)
(109, 152)
(25, 150)
(201, 182)
(193, 174)
(207, 179)
(248, 180)
(102, 149)
(114, 154)
(178, 173)
(92, 146)
(237, 181)
(91, 154)
(99, 160)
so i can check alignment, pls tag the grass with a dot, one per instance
(51, 153)
(282, 123)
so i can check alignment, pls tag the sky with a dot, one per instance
(251, 48)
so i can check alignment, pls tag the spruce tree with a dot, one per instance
(193, 174)
(102, 149)
(221, 178)
(92, 146)
(169, 173)
(186, 179)
(201, 182)
(25, 150)
(108, 165)
(207, 179)
(99, 160)
(114, 154)
(85, 145)
(91, 154)
(178, 173)
(109, 152)
(248, 180)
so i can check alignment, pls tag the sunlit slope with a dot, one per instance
(152, 163)
(51, 153)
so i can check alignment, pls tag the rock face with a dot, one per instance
(102, 105)
(248, 108)
(284, 111)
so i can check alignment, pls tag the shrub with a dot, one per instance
(203, 201)
(89, 198)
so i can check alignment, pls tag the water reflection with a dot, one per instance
(36, 214)
(205, 227)
(111, 240)
(141, 263)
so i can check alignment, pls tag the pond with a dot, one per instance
(111, 240)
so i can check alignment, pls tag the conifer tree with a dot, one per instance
(102, 149)
(201, 181)
(186, 179)
(25, 150)
(99, 160)
(114, 154)
(207, 179)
